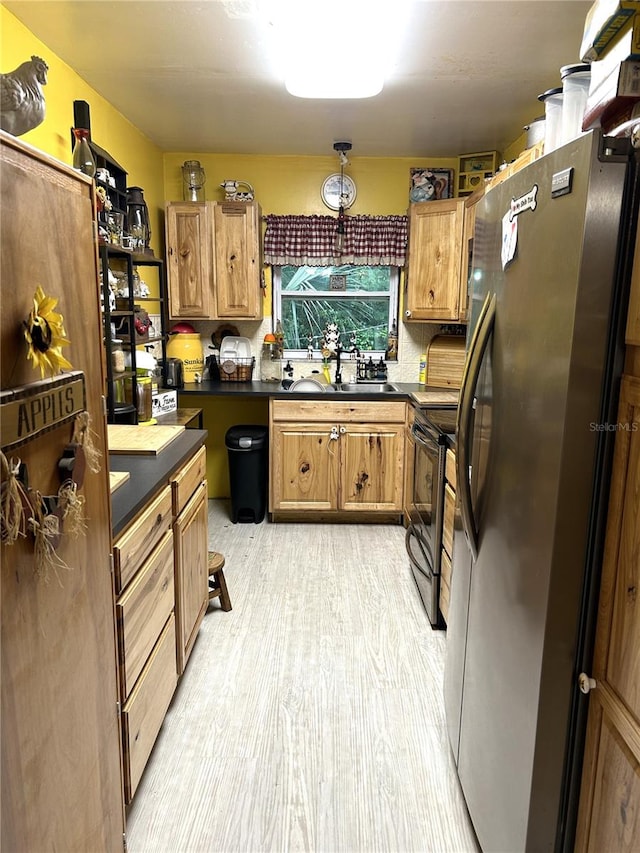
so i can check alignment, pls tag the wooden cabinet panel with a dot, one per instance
(140, 537)
(304, 467)
(143, 610)
(237, 266)
(186, 481)
(61, 775)
(191, 572)
(145, 709)
(611, 777)
(434, 260)
(450, 469)
(633, 316)
(329, 410)
(337, 461)
(188, 236)
(371, 468)
(467, 253)
(445, 584)
(449, 518)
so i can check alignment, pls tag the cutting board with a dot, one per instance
(149, 440)
(435, 398)
(445, 361)
(117, 478)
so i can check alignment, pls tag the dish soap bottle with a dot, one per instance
(422, 375)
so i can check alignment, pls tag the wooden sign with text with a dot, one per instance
(30, 410)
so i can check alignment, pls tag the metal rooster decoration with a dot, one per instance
(22, 104)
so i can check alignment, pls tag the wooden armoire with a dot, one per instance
(61, 769)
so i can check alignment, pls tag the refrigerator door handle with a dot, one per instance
(477, 349)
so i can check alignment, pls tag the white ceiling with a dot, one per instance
(195, 76)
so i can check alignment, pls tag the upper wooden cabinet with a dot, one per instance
(466, 259)
(434, 261)
(214, 260)
(237, 261)
(188, 235)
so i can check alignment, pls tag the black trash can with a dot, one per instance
(247, 447)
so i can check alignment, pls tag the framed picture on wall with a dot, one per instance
(429, 184)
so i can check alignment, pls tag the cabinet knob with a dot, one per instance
(407, 313)
(343, 429)
(586, 683)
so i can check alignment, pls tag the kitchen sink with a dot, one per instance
(365, 387)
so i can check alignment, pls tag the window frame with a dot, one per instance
(393, 296)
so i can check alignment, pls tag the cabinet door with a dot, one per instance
(433, 274)
(608, 814)
(191, 573)
(188, 235)
(237, 264)
(304, 467)
(467, 253)
(371, 471)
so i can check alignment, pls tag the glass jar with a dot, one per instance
(117, 356)
(145, 398)
(270, 361)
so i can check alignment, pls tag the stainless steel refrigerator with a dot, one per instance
(550, 275)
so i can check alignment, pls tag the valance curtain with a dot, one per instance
(311, 240)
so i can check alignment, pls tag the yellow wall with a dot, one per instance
(140, 158)
(287, 184)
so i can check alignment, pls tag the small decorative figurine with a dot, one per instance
(233, 193)
(310, 347)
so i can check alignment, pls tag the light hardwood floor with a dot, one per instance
(310, 717)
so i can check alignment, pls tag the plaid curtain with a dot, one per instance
(311, 240)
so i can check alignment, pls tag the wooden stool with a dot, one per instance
(217, 583)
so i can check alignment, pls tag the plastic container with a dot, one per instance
(422, 375)
(188, 348)
(247, 448)
(552, 100)
(535, 131)
(575, 87)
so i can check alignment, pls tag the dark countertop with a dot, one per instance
(149, 473)
(275, 390)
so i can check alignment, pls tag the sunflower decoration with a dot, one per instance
(45, 335)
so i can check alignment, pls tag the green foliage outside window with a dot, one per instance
(361, 300)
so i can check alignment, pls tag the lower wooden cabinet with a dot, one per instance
(337, 457)
(161, 582)
(143, 561)
(191, 574)
(145, 709)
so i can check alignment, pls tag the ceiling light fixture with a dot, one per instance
(341, 148)
(324, 52)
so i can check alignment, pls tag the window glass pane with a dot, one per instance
(361, 300)
(357, 279)
(303, 317)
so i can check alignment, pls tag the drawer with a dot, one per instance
(348, 411)
(445, 585)
(449, 518)
(450, 470)
(145, 709)
(134, 545)
(187, 480)
(142, 611)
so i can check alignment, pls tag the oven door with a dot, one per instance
(424, 535)
(427, 582)
(428, 490)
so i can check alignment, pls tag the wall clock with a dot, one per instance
(330, 191)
